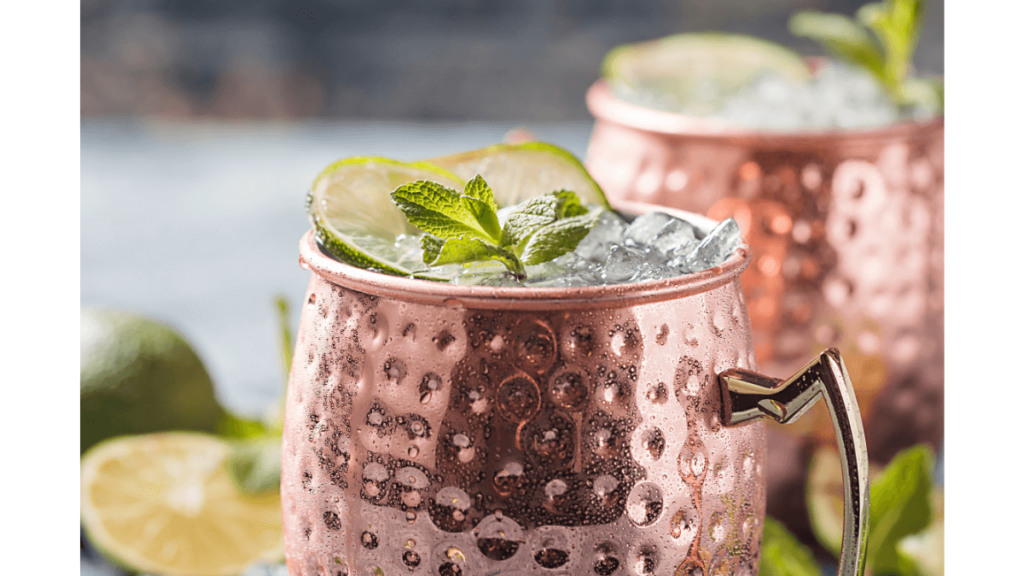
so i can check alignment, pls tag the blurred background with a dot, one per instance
(518, 60)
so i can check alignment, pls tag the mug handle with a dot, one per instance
(747, 395)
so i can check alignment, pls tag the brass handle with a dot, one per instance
(747, 395)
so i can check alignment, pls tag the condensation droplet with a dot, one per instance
(690, 335)
(568, 389)
(643, 507)
(662, 336)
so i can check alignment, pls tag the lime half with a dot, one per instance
(694, 73)
(163, 503)
(519, 171)
(356, 220)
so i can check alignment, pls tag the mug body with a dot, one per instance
(846, 230)
(464, 430)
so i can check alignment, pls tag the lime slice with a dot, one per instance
(355, 219)
(695, 72)
(825, 497)
(519, 171)
(163, 503)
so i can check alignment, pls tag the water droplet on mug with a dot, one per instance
(644, 504)
(657, 393)
(413, 451)
(369, 540)
(662, 336)
(536, 349)
(690, 335)
(509, 478)
(646, 561)
(605, 561)
(411, 559)
(448, 509)
(692, 463)
(518, 399)
(651, 444)
(449, 569)
(568, 389)
(394, 370)
(497, 548)
(551, 557)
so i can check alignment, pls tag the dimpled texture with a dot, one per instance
(425, 439)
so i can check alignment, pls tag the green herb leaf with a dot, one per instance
(557, 238)
(466, 250)
(445, 213)
(431, 248)
(783, 555)
(255, 465)
(841, 36)
(463, 228)
(477, 188)
(895, 23)
(900, 506)
(535, 213)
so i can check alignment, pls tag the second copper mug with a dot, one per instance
(471, 431)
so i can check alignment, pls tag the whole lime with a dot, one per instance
(140, 375)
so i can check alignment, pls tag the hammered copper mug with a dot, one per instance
(846, 227)
(468, 430)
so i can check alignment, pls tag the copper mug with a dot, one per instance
(846, 227)
(468, 430)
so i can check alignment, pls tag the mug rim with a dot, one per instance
(533, 298)
(605, 106)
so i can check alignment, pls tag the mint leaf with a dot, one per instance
(464, 228)
(535, 213)
(900, 506)
(466, 250)
(445, 213)
(477, 188)
(888, 55)
(255, 466)
(431, 248)
(895, 23)
(557, 238)
(841, 36)
(783, 555)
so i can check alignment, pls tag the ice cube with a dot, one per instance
(676, 235)
(622, 263)
(715, 248)
(656, 272)
(643, 230)
(608, 230)
(569, 280)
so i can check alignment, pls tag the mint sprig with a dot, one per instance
(462, 228)
(881, 40)
(783, 555)
(901, 505)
